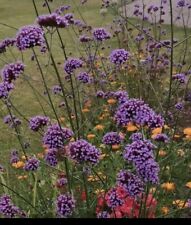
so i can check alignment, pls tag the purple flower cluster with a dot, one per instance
(61, 182)
(136, 136)
(180, 77)
(65, 205)
(12, 71)
(83, 152)
(37, 122)
(12, 121)
(103, 214)
(14, 156)
(72, 64)
(119, 56)
(140, 153)
(6, 43)
(130, 182)
(83, 77)
(5, 88)
(62, 8)
(161, 138)
(8, 209)
(56, 89)
(84, 38)
(101, 34)
(51, 157)
(136, 111)
(32, 164)
(121, 96)
(55, 137)
(29, 37)
(113, 198)
(52, 20)
(111, 138)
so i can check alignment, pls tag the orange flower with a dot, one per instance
(187, 131)
(165, 210)
(162, 153)
(99, 127)
(131, 127)
(90, 136)
(111, 101)
(180, 203)
(168, 186)
(62, 119)
(115, 147)
(188, 184)
(157, 131)
(18, 165)
(85, 110)
(40, 155)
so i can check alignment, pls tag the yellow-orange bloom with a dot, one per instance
(157, 131)
(90, 136)
(168, 186)
(180, 203)
(61, 119)
(131, 127)
(162, 153)
(18, 165)
(99, 127)
(115, 147)
(187, 131)
(188, 184)
(85, 110)
(165, 210)
(111, 101)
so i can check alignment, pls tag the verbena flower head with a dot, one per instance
(32, 164)
(69, 17)
(149, 171)
(83, 152)
(72, 64)
(55, 137)
(130, 182)
(14, 156)
(103, 214)
(51, 157)
(83, 77)
(52, 20)
(101, 34)
(12, 121)
(8, 209)
(84, 38)
(29, 37)
(62, 9)
(180, 77)
(12, 71)
(119, 56)
(65, 205)
(136, 111)
(136, 137)
(37, 122)
(4, 44)
(121, 96)
(111, 138)
(113, 198)
(61, 182)
(161, 138)
(139, 151)
(5, 88)
(56, 89)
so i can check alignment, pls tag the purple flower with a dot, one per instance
(55, 137)
(52, 20)
(62, 8)
(37, 122)
(14, 156)
(8, 209)
(161, 138)
(56, 89)
(72, 64)
(84, 38)
(130, 182)
(12, 71)
(32, 164)
(136, 137)
(29, 37)
(179, 106)
(121, 96)
(139, 151)
(101, 34)
(65, 205)
(113, 198)
(181, 78)
(6, 43)
(5, 88)
(181, 3)
(103, 214)
(69, 17)
(83, 152)
(51, 157)
(61, 182)
(100, 94)
(119, 56)
(111, 138)
(136, 111)
(83, 77)
(149, 171)
(12, 121)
